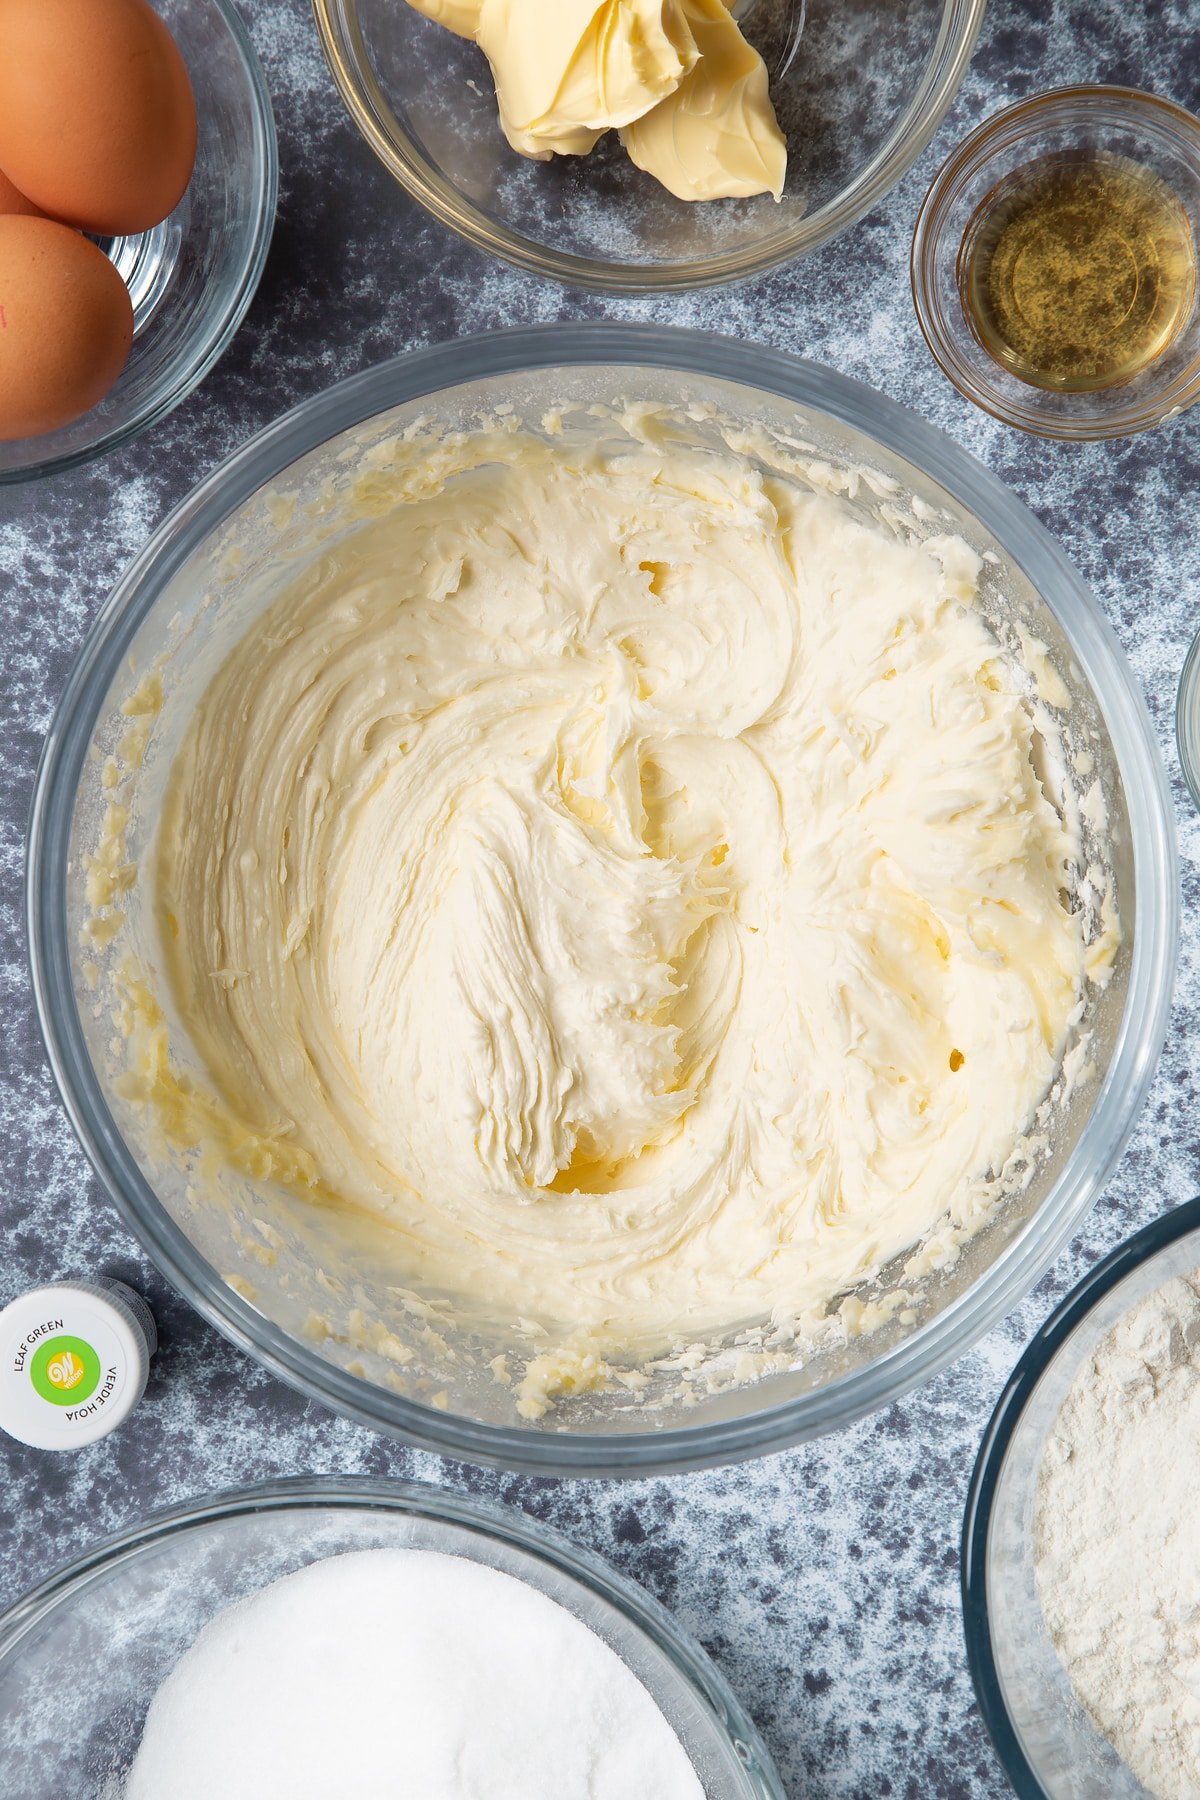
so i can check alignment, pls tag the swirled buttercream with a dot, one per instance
(622, 869)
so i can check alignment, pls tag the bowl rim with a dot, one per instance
(204, 353)
(1118, 1100)
(1033, 110)
(341, 41)
(1132, 1254)
(705, 1683)
(1187, 736)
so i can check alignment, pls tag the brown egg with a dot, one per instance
(66, 325)
(97, 116)
(12, 200)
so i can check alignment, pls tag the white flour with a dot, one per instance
(1117, 1538)
(390, 1673)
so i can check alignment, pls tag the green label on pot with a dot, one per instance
(65, 1371)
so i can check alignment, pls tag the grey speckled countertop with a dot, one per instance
(824, 1581)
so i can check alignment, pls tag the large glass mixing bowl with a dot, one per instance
(859, 90)
(82, 1656)
(266, 1270)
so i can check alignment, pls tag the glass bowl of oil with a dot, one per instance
(1054, 263)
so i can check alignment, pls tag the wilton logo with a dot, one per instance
(65, 1371)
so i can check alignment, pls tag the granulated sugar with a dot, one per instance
(404, 1673)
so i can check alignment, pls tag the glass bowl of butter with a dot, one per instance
(524, 1012)
(654, 146)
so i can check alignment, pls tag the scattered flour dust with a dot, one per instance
(1117, 1538)
(389, 1673)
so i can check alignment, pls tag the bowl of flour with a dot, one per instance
(303, 1638)
(1081, 1578)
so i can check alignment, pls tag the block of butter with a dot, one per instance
(676, 78)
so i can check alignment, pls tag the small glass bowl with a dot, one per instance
(1048, 1745)
(858, 99)
(82, 1656)
(1187, 720)
(1151, 132)
(192, 277)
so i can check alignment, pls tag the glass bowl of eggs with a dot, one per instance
(746, 133)
(109, 321)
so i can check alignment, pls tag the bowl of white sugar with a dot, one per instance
(1081, 1572)
(311, 1637)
